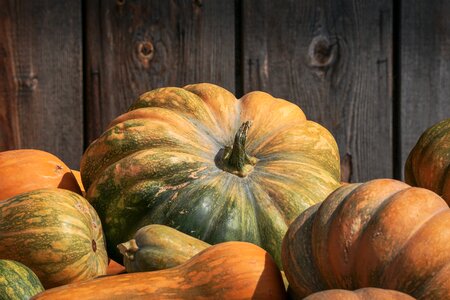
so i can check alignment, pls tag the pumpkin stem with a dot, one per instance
(128, 249)
(234, 159)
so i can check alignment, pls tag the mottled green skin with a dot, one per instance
(52, 232)
(159, 247)
(162, 168)
(17, 281)
(428, 163)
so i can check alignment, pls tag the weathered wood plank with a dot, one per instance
(41, 77)
(334, 59)
(425, 69)
(135, 46)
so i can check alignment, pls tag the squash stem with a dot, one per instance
(128, 249)
(235, 160)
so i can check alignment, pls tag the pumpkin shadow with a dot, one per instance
(270, 284)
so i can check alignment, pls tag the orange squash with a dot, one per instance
(361, 294)
(231, 270)
(29, 169)
(383, 233)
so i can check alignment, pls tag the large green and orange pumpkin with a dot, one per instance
(214, 167)
(382, 233)
(231, 270)
(30, 169)
(54, 232)
(428, 163)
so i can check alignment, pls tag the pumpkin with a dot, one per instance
(382, 233)
(428, 163)
(361, 294)
(28, 169)
(211, 166)
(79, 181)
(17, 282)
(114, 268)
(157, 247)
(54, 232)
(231, 270)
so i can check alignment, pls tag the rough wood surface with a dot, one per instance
(136, 46)
(425, 69)
(41, 77)
(334, 59)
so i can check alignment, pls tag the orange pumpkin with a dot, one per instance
(361, 294)
(383, 233)
(80, 183)
(28, 169)
(231, 270)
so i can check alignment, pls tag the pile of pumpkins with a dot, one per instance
(202, 196)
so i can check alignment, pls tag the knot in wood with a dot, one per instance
(146, 50)
(321, 52)
(120, 2)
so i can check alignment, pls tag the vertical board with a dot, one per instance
(333, 59)
(425, 69)
(41, 77)
(134, 46)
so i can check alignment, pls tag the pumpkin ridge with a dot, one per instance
(133, 155)
(228, 106)
(425, 153)
(352, 238)
(176, 141)
(272, 185)
(149, 99)
(442, 181)
(257, 205)
(410, 240)
(374, 218)
(422, 289)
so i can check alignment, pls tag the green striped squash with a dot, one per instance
(17, 281)
(158, 247)
(54, 232)
(214, 167)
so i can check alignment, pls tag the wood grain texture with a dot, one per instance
(333, 59)
(41, 77)
(425, 69)
(136, 46)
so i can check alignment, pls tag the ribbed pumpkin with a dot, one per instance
(214, 167)
(158, 247)
(383, 233)
(232, 270)
(428, 163)
(54, 232)
(29, 169)
(361, 294)
(17, 282)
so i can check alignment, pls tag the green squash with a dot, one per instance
(209, 165)
(158, 247)
(428, 163)
(17, 281)
(54, 232)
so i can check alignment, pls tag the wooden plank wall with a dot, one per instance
(41, 102)
(375, 73)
